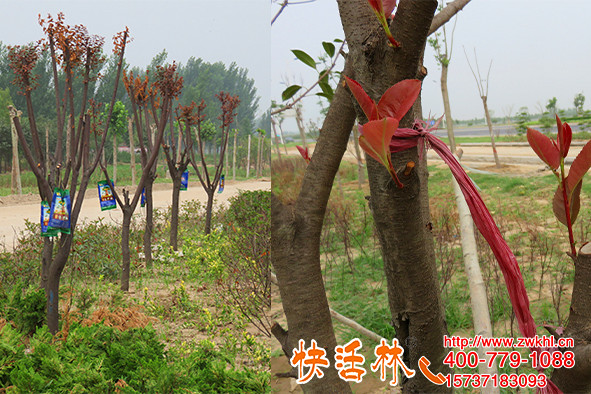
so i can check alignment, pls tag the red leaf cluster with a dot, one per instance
(22, 61)
(191, 114)
(229, 104)
(566, 202)
(137, 88)
(75, 47)
(305, 153)
(167, 81)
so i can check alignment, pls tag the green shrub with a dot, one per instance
(24, 307)
(99, 359)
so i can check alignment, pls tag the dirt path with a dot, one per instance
(14, 210)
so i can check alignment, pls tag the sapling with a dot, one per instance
(80, 54)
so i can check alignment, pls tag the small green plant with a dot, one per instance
(26, 308)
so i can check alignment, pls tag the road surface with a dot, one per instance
(15, 209)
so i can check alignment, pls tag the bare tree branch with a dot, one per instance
(446, 14)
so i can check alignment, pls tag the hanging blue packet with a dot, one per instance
(46, 231)
(106, 197)
(61, 208)
(222, 181)
(185, 180)
(143, 198)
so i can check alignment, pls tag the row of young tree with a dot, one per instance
(83, 125)
(202, 80)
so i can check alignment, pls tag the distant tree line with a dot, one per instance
(202, 80)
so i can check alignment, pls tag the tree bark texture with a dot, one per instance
(174, 219)
(125, 253)
(401, 215)
(131, 150)
(360, 166)
(208, 210)
(449, 123)
(149, 226)
(295, 243)
(16, 186)
(578, 379)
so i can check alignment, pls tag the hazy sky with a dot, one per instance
(540, 49)
(228, 31)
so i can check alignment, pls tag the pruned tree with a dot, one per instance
(76, 51)
(483, 92)
(209, 183)
(147, 99)
(178, 157)
(401, 215)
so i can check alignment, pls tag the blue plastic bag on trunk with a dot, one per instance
(143, 198)
(61, 208)
(46, 230)
(106, 197)
(185, 180)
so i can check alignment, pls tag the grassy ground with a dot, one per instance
(181, 321)
(522, 209)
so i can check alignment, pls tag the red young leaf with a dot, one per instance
(367, 104)
(398, 99)
(304, 153)
(388, 6)
(544, 148)
(565, 135)
(580, 166)
(375, 140)
(574, 198)
(383, 12)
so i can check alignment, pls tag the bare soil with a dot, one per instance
(14, 210)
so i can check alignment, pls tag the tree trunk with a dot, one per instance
(259, 155)
(131, 150)
(208, 210)
(490, 130)
(401, 215)
(248, 158)
(174, 219)
(46, 257)
(114, 159)
(449, 123)
(295, 243)
(234, 157)
(52, 291)
(125, 253)
(360, 169)
(276, 138)
(478, 298)
(16, 186)
(578, 378)
(53, 282)
(149, 225)
(300, 123)
(226, 161)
